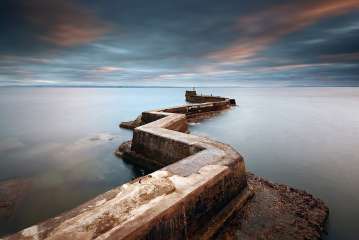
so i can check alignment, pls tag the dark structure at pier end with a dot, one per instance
(192, 97)
(198, 189)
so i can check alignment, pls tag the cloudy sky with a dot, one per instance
(179, 42)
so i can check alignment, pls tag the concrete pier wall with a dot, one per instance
(155, 141)
(191, 111)
(197, 185)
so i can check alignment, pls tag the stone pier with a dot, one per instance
(160, 142)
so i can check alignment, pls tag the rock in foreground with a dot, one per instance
(276, 212)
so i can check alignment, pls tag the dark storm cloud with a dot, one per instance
(188, 42)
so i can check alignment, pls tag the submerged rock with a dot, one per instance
(11, 193)
(132, 124)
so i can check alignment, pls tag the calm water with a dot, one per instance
(62, 140)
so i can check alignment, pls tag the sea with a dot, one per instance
(61, 141)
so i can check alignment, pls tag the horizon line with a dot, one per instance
(143, 86)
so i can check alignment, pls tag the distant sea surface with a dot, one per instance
(61, 140)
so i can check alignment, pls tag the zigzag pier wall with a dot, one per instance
(161, 142)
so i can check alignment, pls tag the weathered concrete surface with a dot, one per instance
(158, 206)
(276, 212)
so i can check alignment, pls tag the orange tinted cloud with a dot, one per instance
(63, 23)
(258, 31)
(108, 69)
(69, 35)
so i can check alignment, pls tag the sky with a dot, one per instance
(179, 43)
